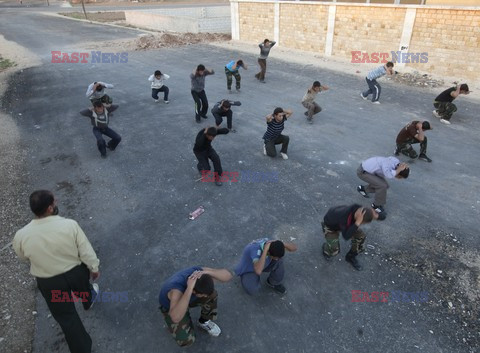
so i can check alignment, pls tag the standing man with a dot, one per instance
(374, 171)
(100, 117)
(62, 260)
(259, 256)
(204, 151)
(222, 109)
(262, 60)
(444, 107)
(198, 91)
(273, 136)
(158, 85)
(308, 100)
(413, 133)
(96, 92)
(231, 69)
(373, 86)
(187, 289)
(346, 219)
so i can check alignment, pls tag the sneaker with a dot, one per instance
(424, 157)
(110, 147)
(445, 121)
(378, 209)
(361, 191)
(306, 113)
(166, 102)
(218, 183)
(280, 288)
(94, 292)
(238, 89)
(284, 155)
(211, 327)
(352, 259)
(376, 102)
(156, 100)
(198, 121)
(264, 150)
(232, 130)
(262, 81)
(204, 116)
(436, 115)
(361, 95)
(310, 120)
(103, 155)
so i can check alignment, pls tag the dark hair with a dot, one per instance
(99, 88)
(464, 87)
(212, 131)
(404, 173)
(226, 104)
(426, 125)
(317, 84)
(201, 67)
(389, 64)
(277, 249)
(277, 110)
(266, 41)
(368, 215)
(40, 200)
(158, 73)
(204, 285)
(97, 104)
(240, 62)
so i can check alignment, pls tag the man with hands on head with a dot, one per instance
(259, 256)
(273, 136)
(96, 93)
(347, 219)
(186, 289)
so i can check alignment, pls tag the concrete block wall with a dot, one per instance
(370, 29)
(256, 21)
(303, 27)
(449, 34)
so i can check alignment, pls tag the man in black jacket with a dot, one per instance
(222, 109)
(99, 116)
(346, 219)
(204, 151)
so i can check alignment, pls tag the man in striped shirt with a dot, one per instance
(273, 136)
(373, 86)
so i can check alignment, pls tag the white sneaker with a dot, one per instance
(361, 95)
(284, 155)
(211, 327)
(166, 102)
(264, 150)
(96, 289)
(155, 100)
(376, 102)
(436, 115)
(445, 121)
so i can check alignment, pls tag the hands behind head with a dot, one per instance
(192, 279)
(359, 216)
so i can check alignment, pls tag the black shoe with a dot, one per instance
(378, 209)
(280, 288)
(110, 148)
(103, 155)
(204, 116)
(361, 191)
(198, 120)
(396, 152)
(424, 157)
(218, 183)
(352, 259)
(306, 113)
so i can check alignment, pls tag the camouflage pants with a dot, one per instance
(407, 149)
(445, 109)
(105, 100)
(229, 78)
(331, 247)
(183, 332)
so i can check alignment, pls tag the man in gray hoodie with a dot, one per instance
(262, 60)
(198, 91)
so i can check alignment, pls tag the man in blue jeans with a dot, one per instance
(99, 116)
(259, 256)
(373, 86)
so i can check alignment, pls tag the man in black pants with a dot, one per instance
(100, 117)
(273, 136)
(63, 270)
(198, 91)
(222, 109)
(204, 151)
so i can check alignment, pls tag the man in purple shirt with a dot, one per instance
(374, 171)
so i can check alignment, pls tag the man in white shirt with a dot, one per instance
(374, 171)
(158, 85)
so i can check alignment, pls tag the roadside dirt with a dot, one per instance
(97, 16)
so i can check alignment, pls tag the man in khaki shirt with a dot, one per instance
(62, 260)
